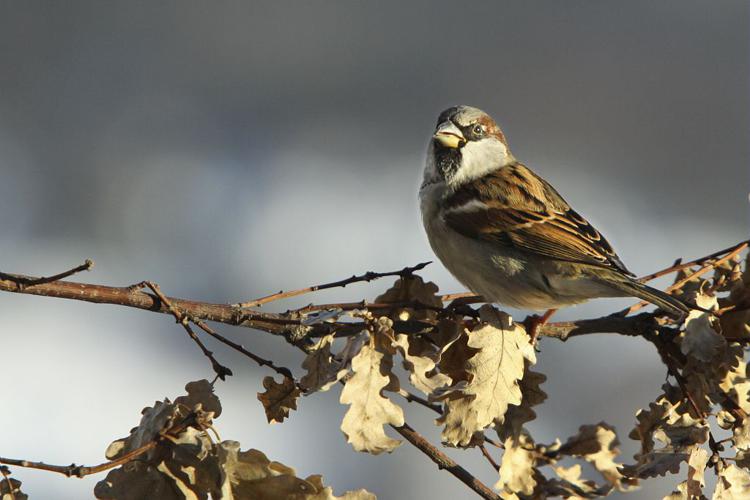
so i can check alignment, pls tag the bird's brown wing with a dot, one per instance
(513, 206)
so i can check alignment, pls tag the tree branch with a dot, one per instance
(24, 282)
(283, 324)
(443, 461)
(221, 371)
(368, 276)
(80, 470)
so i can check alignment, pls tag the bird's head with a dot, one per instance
(467, 144)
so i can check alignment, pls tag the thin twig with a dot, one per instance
(281, 370)
(221, 371)
(443, 461)
(363, 304)
(80, 470)
(413, 398)
(489, 458)
(703, 270)
(24, 282)
(682, 265)
(133, 296)
(368, 276)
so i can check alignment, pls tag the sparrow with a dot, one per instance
(506, 233)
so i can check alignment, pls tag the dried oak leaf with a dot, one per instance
(368, 409)
(161, 474)
(741, 435)
(411, 289)
(688, 290)
(692, 487)
(736, 383)
(420, 360)
(518, 467)
(251, 475)
(10, 488)
(155, 419)
(700, 338)
(453, 339)
(710, 383)
(727, 274)
(598, 445)
(134, 481)
(326, 492)
(678, 432)
(279, 398)
(494, 372)
(201, 392)
(736, 325)
(191, 450)
(531, 395)
(571, 485)
(733, 484)
(322, 369)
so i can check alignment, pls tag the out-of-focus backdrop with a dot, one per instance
(228, 150)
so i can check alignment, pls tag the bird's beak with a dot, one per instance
(449, 135)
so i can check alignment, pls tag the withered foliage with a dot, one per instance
(10, 488)
(188, 463)
(474, 367)
(477, 366)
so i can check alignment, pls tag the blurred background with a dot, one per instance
(229, 150)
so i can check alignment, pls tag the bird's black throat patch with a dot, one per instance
(447, 161)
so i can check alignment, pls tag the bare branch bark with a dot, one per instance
(74, 470)
(443, 461)
(368, 276)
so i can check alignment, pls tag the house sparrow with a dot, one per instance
(506, 234)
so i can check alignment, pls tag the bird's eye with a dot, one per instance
(478, 130)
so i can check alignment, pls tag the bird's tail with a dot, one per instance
(663, 300)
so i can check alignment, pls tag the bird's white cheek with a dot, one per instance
(479, 158)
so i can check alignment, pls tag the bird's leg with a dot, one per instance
(534, 324)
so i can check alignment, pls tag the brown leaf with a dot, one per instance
(154, 420)
(692, 487)
(494, 372)
(598, 445)
(134, 481)
(326, 492)
(736, 383)
(456, 351)
(250, 474)
(736, 325)
(420, 360)
(10, 488)
(733, 484)
(411, 289)
(517, 467)
(727, 274)
(368, 409)
(322, 370)
(692, 287)
(531, 395)
(201, 392)
(700, 338)
(656, 463)
(571, 485)
(678, 432)
(278, 398)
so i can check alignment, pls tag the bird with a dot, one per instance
(506, 234)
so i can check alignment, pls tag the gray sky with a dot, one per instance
(231, 150)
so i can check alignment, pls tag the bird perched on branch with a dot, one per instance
(505, 232)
